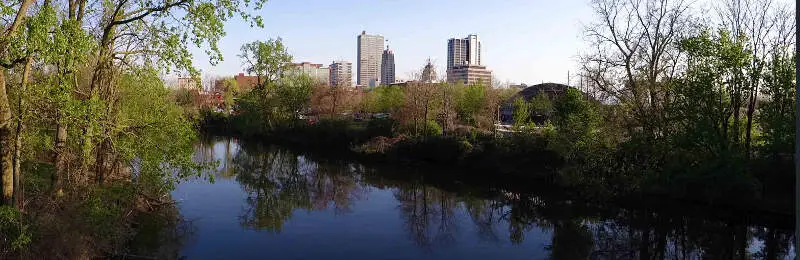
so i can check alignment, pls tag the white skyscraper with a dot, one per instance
(466, 51)
(464, 61)
(473, 50)
(370, 51)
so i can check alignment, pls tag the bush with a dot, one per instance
(13, 234)
(432, 129)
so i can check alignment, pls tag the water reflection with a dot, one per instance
(278, 183)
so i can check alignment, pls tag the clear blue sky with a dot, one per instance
(523, 41)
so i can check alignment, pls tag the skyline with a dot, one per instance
(512, 42)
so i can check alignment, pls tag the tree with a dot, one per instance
(576, 124)
(710, 93)
(541, 106)
(383, 99)
(636, 51)
(777, 115)
(330, 100)
(471, 102)
(421, 104)
(294, 93)
(522, 112)
(7, 60)
(764, 27)
(230, 89)
(268, 60)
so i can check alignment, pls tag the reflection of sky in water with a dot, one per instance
(383, 221)
(373, 229)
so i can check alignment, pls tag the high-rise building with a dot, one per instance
(387, 67)
(370, 50)
(466, 51)
(315, 71)
(341, 74)
(464, 61)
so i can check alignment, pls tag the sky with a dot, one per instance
(523, 41)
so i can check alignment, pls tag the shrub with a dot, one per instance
(432, 129)
(13, 234)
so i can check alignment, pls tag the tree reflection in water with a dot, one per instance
(428, 214)
(279, 181)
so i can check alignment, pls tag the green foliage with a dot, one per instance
(230, 90)
(778, 115)
(541, 105)
(384, 99)
(275, 105)
(266, 59)
(199, 23)
(521, 113)
(153, 133)
(293, 93)
(711, 89)
(470, 102)
(432, 129)
(13, 233)
(576, 123)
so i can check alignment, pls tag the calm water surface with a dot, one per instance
(272, 203)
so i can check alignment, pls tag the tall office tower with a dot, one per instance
(466, 51)
(464, 61)
(341, 74)
(387, 67)
(370, 50)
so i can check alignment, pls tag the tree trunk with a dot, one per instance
(18, 134)
(751, 108)
(60, 158)
(100, 164)
(6, 171)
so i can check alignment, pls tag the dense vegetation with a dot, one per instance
(669, 107)
(90, 137)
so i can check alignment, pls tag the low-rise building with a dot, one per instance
(246, 82)
(315, 71)
(469, 75)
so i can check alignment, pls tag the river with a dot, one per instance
(268, 202)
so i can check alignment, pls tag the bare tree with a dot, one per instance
(636, 53)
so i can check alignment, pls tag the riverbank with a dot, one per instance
(517, 162)
(82, 222)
